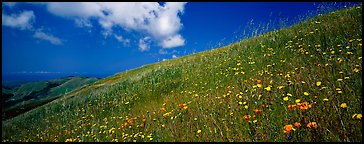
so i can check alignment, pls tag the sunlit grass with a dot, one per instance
(301, 83)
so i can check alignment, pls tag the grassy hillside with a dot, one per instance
(301, 83)
(30, 95)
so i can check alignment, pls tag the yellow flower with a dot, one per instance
(289, 94)
(240, 103)
(358, 116)
(259, 85)
(195, 119)
(280, 87)
(285, 98)
(268, 88)
(356, 70)
(246, 107)
(298, 100)
(343, 105)
(306, 93)
(318, 83)
(199, 131)
(255, 121)
(325, 99)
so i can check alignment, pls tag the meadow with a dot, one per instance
(297, 84)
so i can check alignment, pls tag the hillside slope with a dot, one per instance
(301, 83)
(30, 95)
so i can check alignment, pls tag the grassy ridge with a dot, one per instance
(301, 83)
(30, 95)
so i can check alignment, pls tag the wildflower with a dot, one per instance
(312, 125)
(258, 81)
(289, 94)
(167, 114)
(291, 107)
(285, 98)
(318, 83)
(195, 119)
(258, 111)
(356, 70)
(198, 131)
(246, 107)
(267, 88)
(280, 87)
(255, 121)
(185, 107)
(289, 137)
(163, 110)
(325, 99)
(358, 116)
(246, 117)
(259, 85)
(297, 124)
(343, 105)
(288, 128)
(240, 103)
(305, 105)
(306, 93)
(298, 100)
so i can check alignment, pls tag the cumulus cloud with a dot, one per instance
(161, 22)
(174, 56)
(173, 41)
(22, 21)
(144, 44)
(48, 37)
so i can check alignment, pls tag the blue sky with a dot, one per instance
(107, 38)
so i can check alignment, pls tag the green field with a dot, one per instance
(300, 84)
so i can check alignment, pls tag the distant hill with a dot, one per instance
(297, 84)
(24, 97)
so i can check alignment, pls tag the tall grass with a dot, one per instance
(301, 83)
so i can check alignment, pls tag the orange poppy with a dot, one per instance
(291, 107)
(258, 111)
(288, 128)
(312, 125)
(258, 81)
(163, 110)
(297, 124)
(246, 117)
(180, 106)
(305, 105)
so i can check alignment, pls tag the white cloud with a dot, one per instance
(144, 44)
(74, 9)
(173, 41)
(83, 23)
(22, 21)
(161, 23)
(48, 37)
(122, 40)
(174, 56)
(9, 4)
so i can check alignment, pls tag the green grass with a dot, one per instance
(207, 96)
